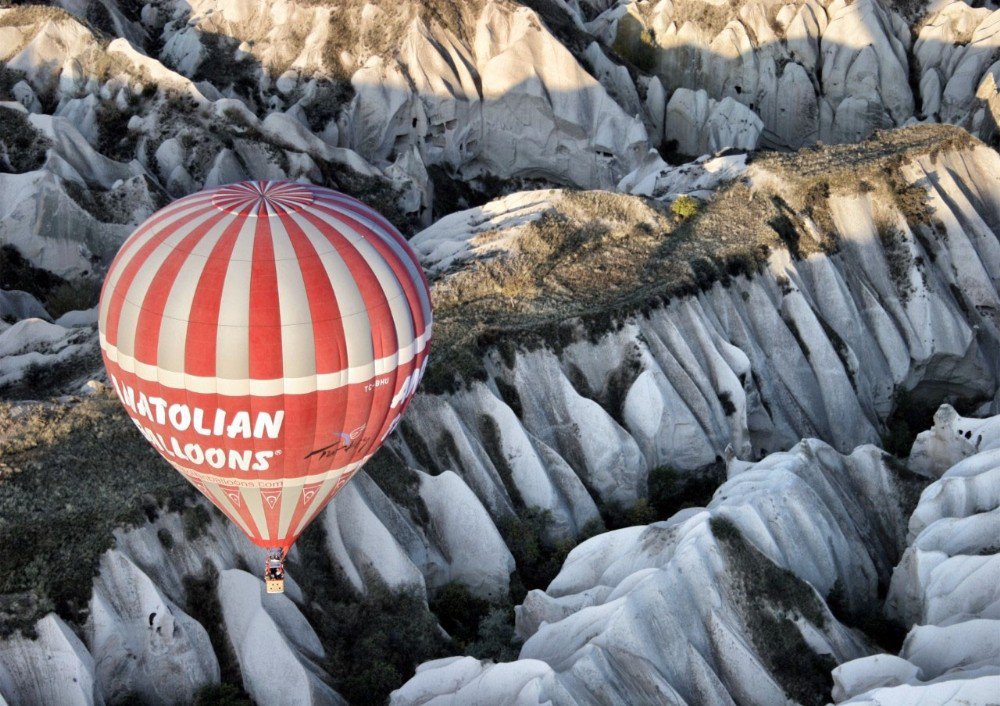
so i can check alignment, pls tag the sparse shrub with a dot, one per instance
(330, 98)
(538, 560)
(489, 435)
(635, 43)
(495, 637)
(684, 206)
(871, 620)
(55, 525)
(770, 598)
(898, 257)
(201, 593)
(113, 137)
(72, 296)
(671, 491)
(459, 611)
(99, 17)
(399, 482)
(166, 539)
(417, 447)
(725, 530)
(616, 515)
(510, 396)
(221, 68)
(221, 695)
(196, 522)
(22, 148)
(34, 376)
(8, 79)
(373, 642)
(899, 436)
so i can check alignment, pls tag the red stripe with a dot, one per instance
(381, 325)
(242, 510)
(362, 209)
(383, 328)
(132, 269)
(389, 255)
(329, 341)
(265, 314)
(125, 254)
(147, 330)
(203, 326)
(328, 329)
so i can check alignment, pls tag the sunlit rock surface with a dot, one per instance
(674, 611)
(946, 585)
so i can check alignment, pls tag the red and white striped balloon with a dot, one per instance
(265, 338)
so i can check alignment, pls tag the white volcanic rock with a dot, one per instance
(951, 439)
(37, 342)
(475, 551)
(951, 570)
(482, 231)
(824, 340)
(49, 228)
(655, 178)
(78, 319)
(143, 645)
(830, 71)
(864, 76)
(361, 545)
(220, 543)
(225, 169)
(700, 125)
(525, 67)
(45, 51)
(369, 536)
(659, 613)
(274, 644)
(970, 646)
(490, 88)
(16, 305)
(55, 668)
(88, 167)
(459, 680)
(945, 585)
(493, 228)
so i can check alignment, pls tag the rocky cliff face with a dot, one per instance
(863, 295)
(724, 604)
(945, 584)
(816, 71)
(594, 329)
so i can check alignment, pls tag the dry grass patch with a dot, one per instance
(597, 257)
(70, 474)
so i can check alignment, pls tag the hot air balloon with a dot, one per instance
(265, 337)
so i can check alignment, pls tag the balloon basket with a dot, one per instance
(275, 585)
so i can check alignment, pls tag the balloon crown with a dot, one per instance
(262, 198)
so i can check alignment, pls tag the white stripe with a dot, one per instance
(298, 345)
(171, 347)
(265, 387)
(408, 260)
(138, 239)
(136, 293)
(254, 503)
(281, 483)
(232, 342)
(346, 293)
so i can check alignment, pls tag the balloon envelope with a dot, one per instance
(265, 338)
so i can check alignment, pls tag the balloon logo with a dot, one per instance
(265, 338)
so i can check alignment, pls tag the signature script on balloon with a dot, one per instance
(342, 440)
